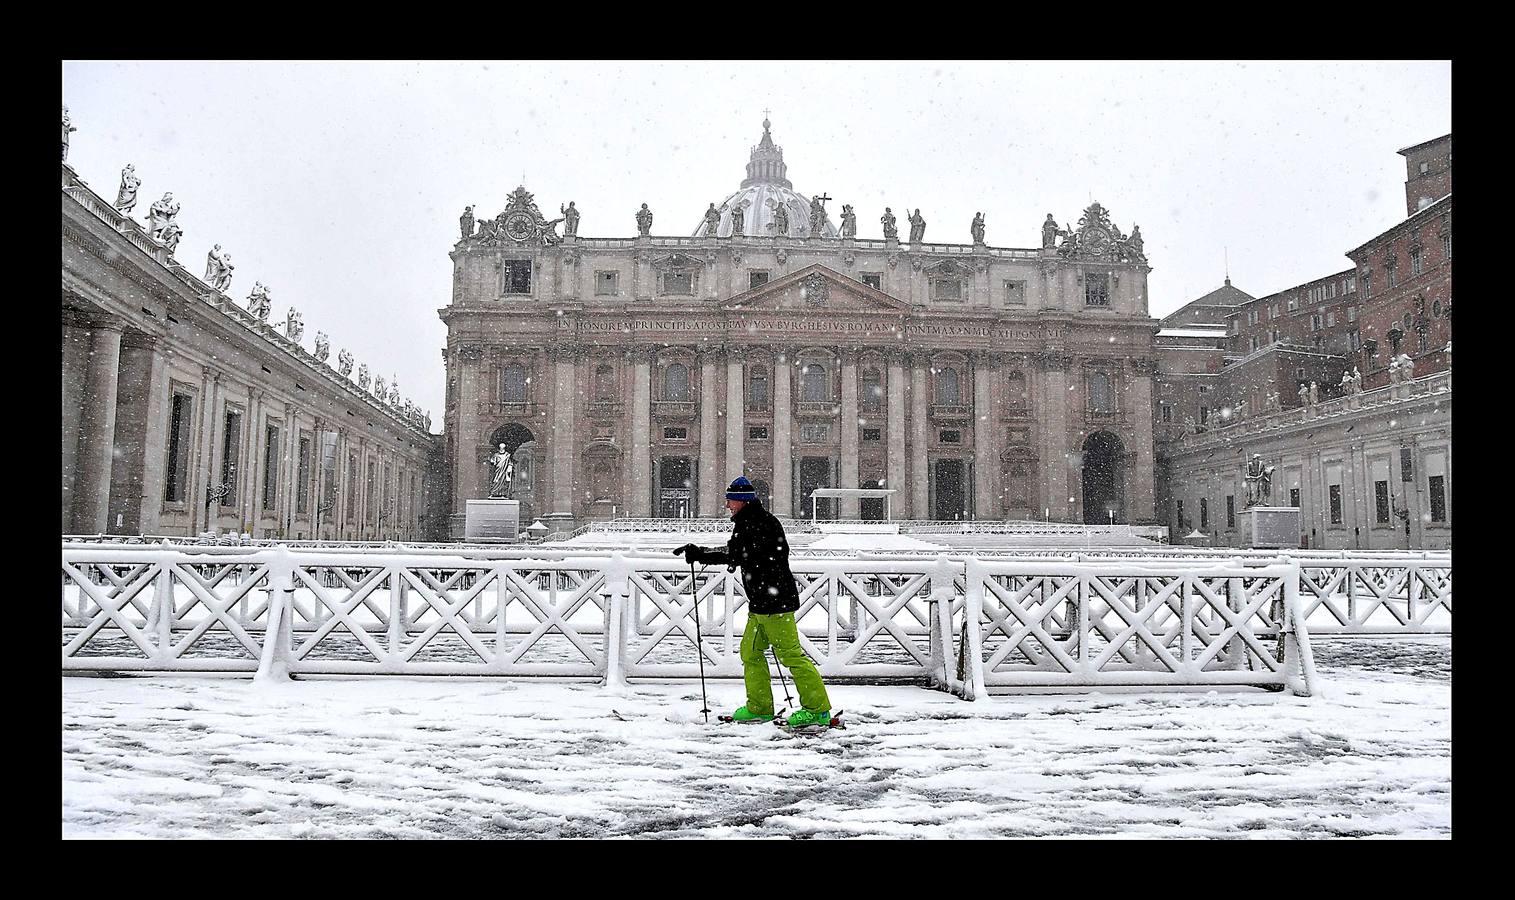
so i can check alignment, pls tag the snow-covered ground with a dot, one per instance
(209, 756)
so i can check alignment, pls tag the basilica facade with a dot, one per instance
(634, 376)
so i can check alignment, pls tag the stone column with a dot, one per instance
(895, 451)
(849, 506)
(1054, 434)
(1141, 496)
(736, 425)
(783, 435)
(155, 442)
(920, 475)
(985, 441)
(76, 341)
(710, 464)
(470, 476)
(98, 436)
(564, 446)
(639, 479)
(135, 391)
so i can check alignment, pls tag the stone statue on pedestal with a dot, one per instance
(1049, 233)
(394, 390)
(644, 221)
(126, 195)
(1259, 480)
(379, 387)
(570, 220)
(218, 268)
(465, 223)
(977, 228)
(161, 215)
(917, 227)
(849, 221)
(323, 347)
(294, 325)
(344, 363)
(712, 221)
(738, 219)
(363, 376)
(171, 235)
(780, 224)
(502, 472)
(817, 216)
(891, 231)
(258, 302)
(68, 126)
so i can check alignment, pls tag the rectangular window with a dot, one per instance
(1331, 319)
(1367, 282)
(1096, 289)
(176, 480)
(756, 277)
(302, 485)
(328, 470)
(1294, 497)
(1354, 339)
(1015, 293)
(352, 487)
(1351, 314)
(1335, 491)
(1204, 514)
(1406, 464)
(1167, 412)
(814, 434)
(1381, 500)
(757, 433)
(1316, 323)
(270, 466)
(678, 282)
(1273, 311)
(1446, 245)
(949, 290)
(672, 433)
(1438, 486)
(1230, 510)
(1180, 504)
(1204, 415)
(515, 276)
(607, 283)
(1393, 271)
(1415, 261)
(873, 280)
(951, 436)
(1293, 304)
(873, 434)
(757, 390)
(231, 449)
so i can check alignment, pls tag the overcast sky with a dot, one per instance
(339, 185)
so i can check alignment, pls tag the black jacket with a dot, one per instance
(758, 545)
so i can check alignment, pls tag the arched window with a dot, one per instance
(513, 383)
(870, 389)
(1017, 389)
(676, 382)
(814, 387)
(1100, 400)
(947, 392)
(604, 382)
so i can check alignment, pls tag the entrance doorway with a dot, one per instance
(815, 472)
(951, 490)
(871, 509)
(1104, 479)
(675, 488)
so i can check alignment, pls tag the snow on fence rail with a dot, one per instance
(953, 624)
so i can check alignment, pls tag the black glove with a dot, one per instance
(691, 552)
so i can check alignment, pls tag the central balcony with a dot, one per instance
(673, 410)
(817, 409)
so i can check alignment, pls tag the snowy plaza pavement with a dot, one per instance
(171, 756)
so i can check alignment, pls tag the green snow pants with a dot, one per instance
(780, 631)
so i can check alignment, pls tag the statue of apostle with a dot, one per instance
(126, 195)
(891, 232)
(502, 472)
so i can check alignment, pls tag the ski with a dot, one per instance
(835, 724)
(727, 720)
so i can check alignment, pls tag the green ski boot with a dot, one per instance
(810, 717)
(746, 716)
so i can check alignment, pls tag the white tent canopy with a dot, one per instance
(859, 493)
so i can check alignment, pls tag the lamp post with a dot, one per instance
(214, 494)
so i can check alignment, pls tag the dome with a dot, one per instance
(765, 188)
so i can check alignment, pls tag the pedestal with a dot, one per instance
(492, 521)
(1270, 527)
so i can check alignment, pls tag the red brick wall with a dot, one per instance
(1417, 296)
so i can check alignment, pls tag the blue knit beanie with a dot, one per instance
(741, 489)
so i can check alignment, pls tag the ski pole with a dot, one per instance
(776, 665)
(699, 649)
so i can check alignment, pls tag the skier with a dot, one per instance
(758, 545)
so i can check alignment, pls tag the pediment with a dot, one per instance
(816, 288)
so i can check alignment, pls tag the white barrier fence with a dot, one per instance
(962, 625)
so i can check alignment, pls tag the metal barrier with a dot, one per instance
(614, 617)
